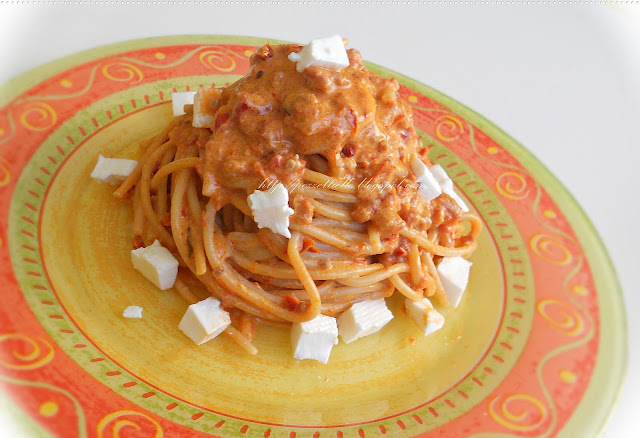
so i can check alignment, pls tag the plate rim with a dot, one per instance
(588, 237)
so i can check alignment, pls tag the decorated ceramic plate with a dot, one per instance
(536, 349)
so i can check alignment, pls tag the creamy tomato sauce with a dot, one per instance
(349, 124)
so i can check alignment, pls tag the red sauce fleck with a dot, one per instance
(137, 242)
(308, 244)
(348, 151)
(291, 302)
(220, 120)
(397, 119)
(401, 251)
(241, 107)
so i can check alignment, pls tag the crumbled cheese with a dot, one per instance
(429, 187)
(204, 320)
(447, 185)
(180, 99)
(132, 312)
(314, 339)
(202, 115)
(327, 52)
(113, 170)
(157, 264)
(454, 275)
(362, 319)
(422, 312)
(271, 209)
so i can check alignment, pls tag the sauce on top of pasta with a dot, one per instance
(349, 124)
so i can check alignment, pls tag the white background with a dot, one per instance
(562, 79)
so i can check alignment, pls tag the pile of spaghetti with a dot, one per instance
(342, 143)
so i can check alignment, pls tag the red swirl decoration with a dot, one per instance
(550, 249)
(512, 185)
(518, 412)
(448, 127)
(5, 174)
(217, 59)
(114, 425)
(21, 352)
(38, 116)
(121, 71)
(561, 317)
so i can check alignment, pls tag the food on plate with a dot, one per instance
(113, 170)
(363, 318)
(204, 320)
(314, 339)
(299, 196)
(132, 312)
(157, 264)
(422, 312)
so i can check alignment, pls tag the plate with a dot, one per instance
(536, 349)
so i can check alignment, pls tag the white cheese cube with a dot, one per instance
(441, 176)
(204, 320)
(202, 117)
(180, 99)
(314, 339)
(454, 275)
(362, 319)
(327, 52)
(113, 170)
(447, 185)
(271, 209)
(157, 264)
(422, 312)
(132, 312)
(429, 187)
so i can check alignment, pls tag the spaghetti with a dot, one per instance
(342, 143)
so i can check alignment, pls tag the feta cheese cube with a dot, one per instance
(204, 320)
(441, 176)
(314, 339)
(271, 209)
(157, 264)
(422, 312)
(180, 99)
(429, 187)
(327, 52)
(454, 275)
(447, 185)
(132, 312)
(362, 319)
(202, 115)
(113, 170)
